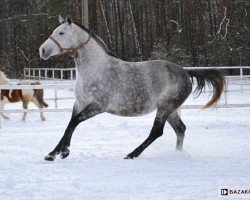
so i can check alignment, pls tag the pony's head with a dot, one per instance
(3, 78)
(63, 39)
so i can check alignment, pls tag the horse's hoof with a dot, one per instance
(64, 154)
(129, 157)
(49, 158)
(178, 148)
(43, 119)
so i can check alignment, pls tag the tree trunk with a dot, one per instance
(105, 23)
(149, 42)
(136, 41)
(76, 11)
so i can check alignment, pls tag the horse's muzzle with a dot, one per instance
(44, 54)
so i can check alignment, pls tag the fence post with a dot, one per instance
(225, 93)
(56, 95)
(39, 74)
(29, 72)
(61, 74)
(46, 75)
(0, 113)
(241, 79)
(53, 74)
(71, 74)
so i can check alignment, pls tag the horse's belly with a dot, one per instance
(129, 113)
(130, 110)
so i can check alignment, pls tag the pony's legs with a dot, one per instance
(25, 106)
(89, 111)
(2, 103)
(26, 100)
(155, 132)
(35, 101)
(179, 127)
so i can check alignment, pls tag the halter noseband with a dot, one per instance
(72, 51)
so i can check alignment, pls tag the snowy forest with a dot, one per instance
(186, 32)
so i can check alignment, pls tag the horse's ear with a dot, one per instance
(68, 20)
(61, 20)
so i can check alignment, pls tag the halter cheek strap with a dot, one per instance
(71, 51)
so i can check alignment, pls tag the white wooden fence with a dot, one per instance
(70, 73)
(242, 76)
(50, 73)
(69, 85)
(54, 86)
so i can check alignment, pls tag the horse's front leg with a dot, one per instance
(89, 111)
(26, 101)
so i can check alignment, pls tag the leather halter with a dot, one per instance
(72, 51)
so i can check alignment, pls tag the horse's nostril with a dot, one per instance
(43, 51)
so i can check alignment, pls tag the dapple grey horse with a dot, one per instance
(106, 83)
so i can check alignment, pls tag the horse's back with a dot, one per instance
(165, 77)
(26, 93)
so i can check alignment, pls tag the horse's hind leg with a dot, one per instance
(26, 99)
(25, 106)
(179, 127)
(156, 131)
(36, 102)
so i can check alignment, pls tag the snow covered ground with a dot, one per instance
(215, 156)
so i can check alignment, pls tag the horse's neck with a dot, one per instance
(91, 58)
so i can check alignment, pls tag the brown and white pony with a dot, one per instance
(26, 96)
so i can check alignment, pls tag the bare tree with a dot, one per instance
(136, 41)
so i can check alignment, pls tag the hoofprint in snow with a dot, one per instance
(215, 156)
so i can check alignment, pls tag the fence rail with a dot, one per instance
(50, 73)
(70, 73)
(54, 86)
(71, 85)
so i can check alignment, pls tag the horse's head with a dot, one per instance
(63, 39)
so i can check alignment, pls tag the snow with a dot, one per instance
(215, 156)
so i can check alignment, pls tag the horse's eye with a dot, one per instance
(61, 33)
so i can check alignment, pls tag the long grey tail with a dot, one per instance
(211, 77)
